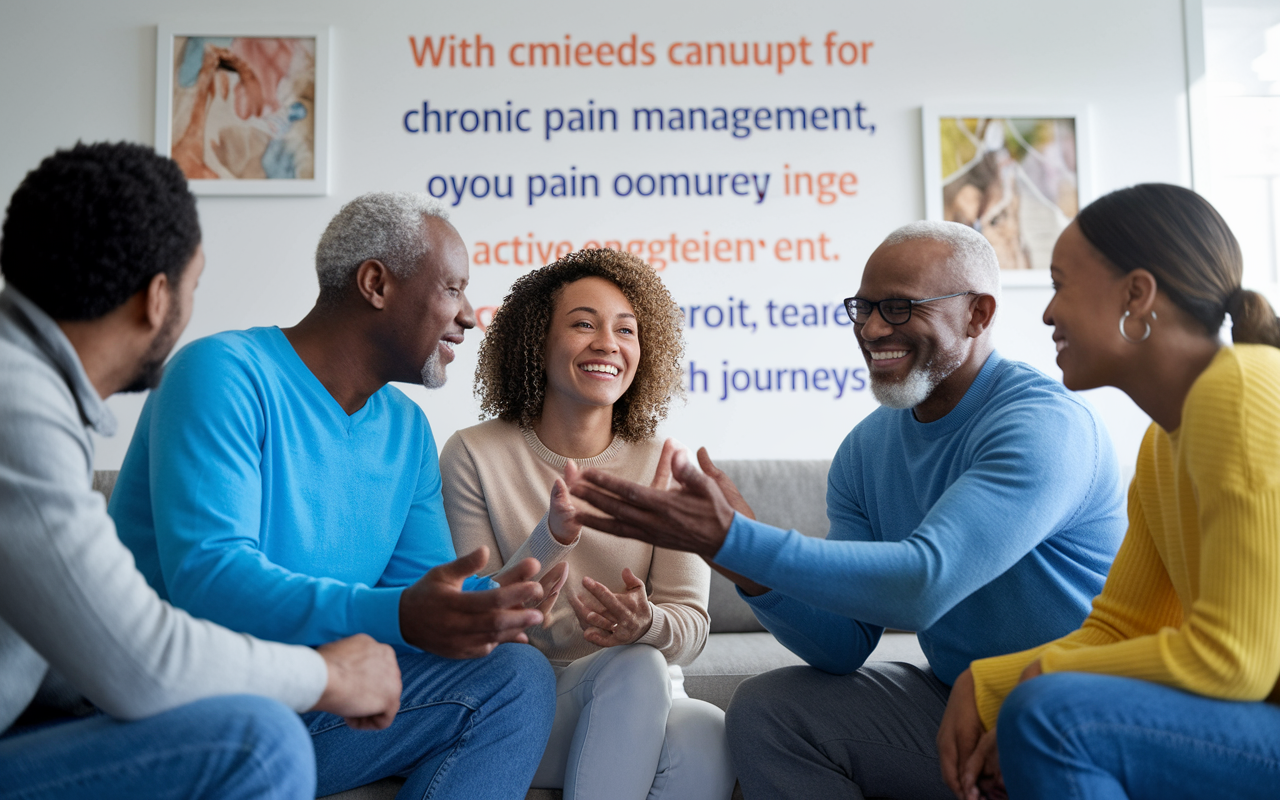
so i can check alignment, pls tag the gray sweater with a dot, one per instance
(70, 596)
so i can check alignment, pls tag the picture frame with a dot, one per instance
(1017, 172)
(244, 109)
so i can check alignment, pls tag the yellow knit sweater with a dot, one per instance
(1193, 598)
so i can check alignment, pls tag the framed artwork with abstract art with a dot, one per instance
(244, 110)
(1018, 174)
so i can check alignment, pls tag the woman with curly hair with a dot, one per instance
(577, 368)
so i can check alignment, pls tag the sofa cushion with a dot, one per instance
(731, 658)
(786, 494)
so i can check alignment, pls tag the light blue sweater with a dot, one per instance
(250, 498)
(987, 531)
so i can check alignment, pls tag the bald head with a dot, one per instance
(970, 261)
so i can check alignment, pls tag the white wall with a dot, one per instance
(85, 70)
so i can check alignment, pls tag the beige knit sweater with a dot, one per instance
(497, 487)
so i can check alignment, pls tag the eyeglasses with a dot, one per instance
(895, 311)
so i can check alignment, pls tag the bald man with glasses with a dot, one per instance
(981, 506)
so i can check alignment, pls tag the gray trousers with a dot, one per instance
(800, 732)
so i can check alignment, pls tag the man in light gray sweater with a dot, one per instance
(101, 254)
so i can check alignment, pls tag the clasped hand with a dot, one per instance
(609, 618)
(968, 754)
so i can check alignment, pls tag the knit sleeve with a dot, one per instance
(1228, 646)
(1138, 599)
(467, 510)
(680, 585)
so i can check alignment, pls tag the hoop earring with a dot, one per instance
(1145, 334)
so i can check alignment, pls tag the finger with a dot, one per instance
(460, 569)
(546, 607)
(630, 580)
(515, 596)
(588, 608)
(947, 759)
(662, 476)
(616, 527)
(579, 611)
(564, 576)
(607, 598)
(560, 499)
(970, 773)
(599, 637)
(522, 571)
(686, 471)
(616, 507)
(632, 492)
(704, 461)
(555, 577)
(571, 472)
(495, 622)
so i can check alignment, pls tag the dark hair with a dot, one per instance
(1175, 234)
(91, 226)
(511, 376)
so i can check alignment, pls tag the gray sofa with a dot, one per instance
(790, 494)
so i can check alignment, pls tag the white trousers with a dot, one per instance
(619, 735)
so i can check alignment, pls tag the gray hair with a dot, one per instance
(383, 226)
(971, 254)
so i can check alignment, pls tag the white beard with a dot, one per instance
(914, 389)
(433, 374)
(906, 393)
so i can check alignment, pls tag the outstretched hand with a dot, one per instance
(436, 615)
(727, 487)
(695, 517)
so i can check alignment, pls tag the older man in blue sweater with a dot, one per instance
(278, 485)
(981, 506)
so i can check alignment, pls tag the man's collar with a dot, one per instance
(50, 340)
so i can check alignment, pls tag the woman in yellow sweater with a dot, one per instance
(1161, 692)
(578, 367)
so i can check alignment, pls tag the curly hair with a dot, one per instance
(511, 376)
(91, 226)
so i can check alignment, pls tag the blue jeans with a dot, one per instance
(236, 746)
(466, 729)
(1077, 735)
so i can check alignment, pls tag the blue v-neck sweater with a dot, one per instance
(249, 497)
(987, 531)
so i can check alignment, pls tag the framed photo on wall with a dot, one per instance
(244, 109)
(1018, 174)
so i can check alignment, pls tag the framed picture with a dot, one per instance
(1018, 174)
(244, 110)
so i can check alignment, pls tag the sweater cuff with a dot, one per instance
(309, 675)
(994, 678)
(762, 602)
(749, 547)
(542, 546)
(377, 613)
(659, 634)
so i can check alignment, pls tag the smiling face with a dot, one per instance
(907, 362)
(1089, 297)
(593, 344)
(431, 313)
